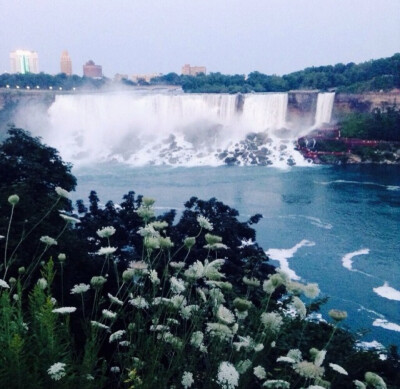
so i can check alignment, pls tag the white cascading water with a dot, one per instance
(176, 129)
(323, 112)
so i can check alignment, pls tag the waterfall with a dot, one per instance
(265, 111)
(162, 128)
(323, 112)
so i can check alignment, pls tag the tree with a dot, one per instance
(32, 170)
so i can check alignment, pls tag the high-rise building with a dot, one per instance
(188, 70)
(24, 61)
(90, 69)
(65, 63)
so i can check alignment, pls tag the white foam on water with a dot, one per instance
(386, 325)
(362, 308)
(282, 256)
(374, 344)
(367, 183)
(347, 259)
(387, 292)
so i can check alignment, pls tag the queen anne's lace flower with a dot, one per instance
(108, 314)
(62, 192)
(99, 325)
(187, 379)
(80, 288)
(115, 300)
(299, 306)
(204, 223)
(260, 372)
(139, 302)
(115, 369)
(243, 366)
(57, 371)
(225, 315)
(116, 335)
(338, 368)
(374, 380)
(48, 241)
(276, 384)
(70, 219)
(153, 276)
(228, 377)
(42, 283)
(64, 310)
(98, 281)
(337, 315)
(3, 284)
(106, 232)
(177, 285)
(13, 199)
(308, 369)
(272, 321)
(107, 250)
(311, 290)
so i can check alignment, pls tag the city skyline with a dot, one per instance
(140, 37)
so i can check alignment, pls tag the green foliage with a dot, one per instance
(381, 124)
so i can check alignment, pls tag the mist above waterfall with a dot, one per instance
(167, 128)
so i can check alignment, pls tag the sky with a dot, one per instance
(227, 36)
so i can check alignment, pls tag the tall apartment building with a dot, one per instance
(66, 63)
(188, 70)
(24, 61)
(90, 69)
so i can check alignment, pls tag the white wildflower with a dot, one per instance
(295, 354)
(319, 358)
(124, 343)
(80, 288)
(117, 335)
(216, 296)
(48, 241)
(201, 294)
(64, 310)
(107, 250)
(62, 192)
(276, 384)
(159, 328)
(96, 324)
(89, 377)
(153, 276)
(359, 385)
(177, 285)
(272, 321)
(228, 377)
(70, 219)
(108, 314)
(195, 271)
(196, 340)
(253, 282)
(177, 265)
(4, 284)
(286, 359)
(106, 232)
(258, 347)
(204, 223)
(260, 372)
(57, 371)
(374, 380)
(311, 291)
(140, 267)
(42, 283)
(299, 306)
(225, 315)
(13, 199)
(187, 379)
(115, 300)
(178, 301)
(187, 311)
(115, 369)
(159, 225)
(139, 302)
(98, 281)
(308, 369)
(338, 368)
(219, 330)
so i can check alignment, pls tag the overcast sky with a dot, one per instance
(228, 36)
